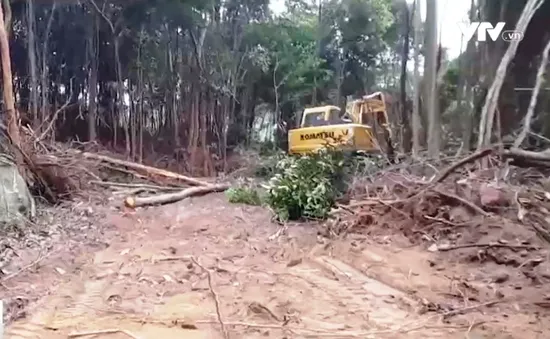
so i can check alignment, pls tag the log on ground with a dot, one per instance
(531, 155)
(145, 169)
(168, 198)
(524, 158)
(111, 184)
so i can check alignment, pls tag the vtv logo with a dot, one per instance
(468, 30)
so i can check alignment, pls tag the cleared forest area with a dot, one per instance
(147, 188)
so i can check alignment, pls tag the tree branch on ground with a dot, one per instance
(167, 198)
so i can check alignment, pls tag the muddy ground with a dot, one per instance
(203, 268)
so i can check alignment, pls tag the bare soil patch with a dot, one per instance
(203, 268)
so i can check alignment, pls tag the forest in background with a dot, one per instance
(113, 109)
(193, 79)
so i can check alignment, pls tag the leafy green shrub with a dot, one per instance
(306, 186)
(243, 195)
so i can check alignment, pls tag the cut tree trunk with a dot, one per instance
(527, 159)
(145, 169)
(530, 155)
(167, 198)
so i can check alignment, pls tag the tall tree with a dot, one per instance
(430, 80)
(31, 49)
(405, 124)
(9, 101)
(417, 89)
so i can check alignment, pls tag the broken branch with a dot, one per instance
(144, 168)
(94, 333)
(465, 202)
(167, 198)
(457, 247)
(129, 185)
(215, 297)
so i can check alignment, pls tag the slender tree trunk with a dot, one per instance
(194, 126)
(32, 63)
(198, 43)
(132, 119)
(338, 80)
(431, 96)
(276, 114)
(174, 98)
(204, 133)
(319, 37)
(9, 100)
(417, 91)
(225, 126)
(44, 85)
(92, 82)
(141, 90)
(120, 96)
(466, 98)
(404, 59)
(7, 16)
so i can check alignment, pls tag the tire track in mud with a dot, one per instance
(70, 309)
(386, 312)
(24, 330)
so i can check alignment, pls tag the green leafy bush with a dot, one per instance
(306, 186)
(243, 195)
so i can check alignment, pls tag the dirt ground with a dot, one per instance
(203, 268)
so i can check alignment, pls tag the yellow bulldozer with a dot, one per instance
(362, 128)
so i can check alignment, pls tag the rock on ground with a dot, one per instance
(16, 202)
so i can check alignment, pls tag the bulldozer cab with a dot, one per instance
(371, 111)
(322, 116)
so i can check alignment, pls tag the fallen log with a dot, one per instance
(524, 158)
(111, 184)
(144, 168)
(529, 155)
(134, 191)
(168, 198)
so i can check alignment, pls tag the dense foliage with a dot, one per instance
(193, 74)
(306, 186)
(193, 79)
